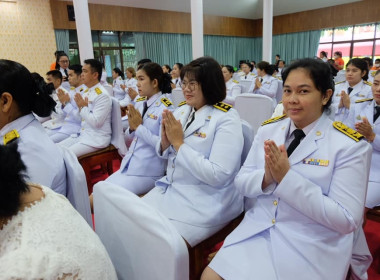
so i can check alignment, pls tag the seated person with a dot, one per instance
(95, 107)
(232, 86)
(69, 109)
(197, 193)
(41, 234)
(118, 82)
(19, 101)
(246, 73)
(141, 166)
(56, 121)
(302, 171)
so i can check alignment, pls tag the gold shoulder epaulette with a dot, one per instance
(236, 82)
(340, 82)
(72, 88)
(280, 102)
(166, 102)
(353, 134)
(273, 120)
(368, 83)
(10, 136)
(373, 73)
(363, 100)
(182, 103)
(87, 89)
(98, 90)
(223, 106)
(143, 98)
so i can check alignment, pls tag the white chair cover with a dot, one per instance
(248, 139)
(279, 92)
(141, 242)
(76, 188)
(246, 85)
(236, 76)
(340, 76)
(177, 97)
(109, 89)
(254, 108)
(117, 137)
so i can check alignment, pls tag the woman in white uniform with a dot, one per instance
(41, 235)
(232, 86)
(203, 143)
(355, 86)
(118, 82)
(63, 63)
(303, 172)
(265, 84)
(141, 166)
(19, 100)
(175, 73)
(364, 116)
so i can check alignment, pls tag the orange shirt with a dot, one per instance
(375, 68)
(52, 66)
(340, 62)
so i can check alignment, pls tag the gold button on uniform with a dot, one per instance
(273, 221)
(275, 202)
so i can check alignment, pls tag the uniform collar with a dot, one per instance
(17, 124)
(153, 98)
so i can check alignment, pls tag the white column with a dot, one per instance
(82, 21)
(267, 30)
(197, 28)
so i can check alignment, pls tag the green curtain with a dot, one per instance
(294, 46)
(165, 48)
(62, 40)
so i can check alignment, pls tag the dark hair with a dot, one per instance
(331, 63)
(32, 95)
(179, 65)
(368, 60)
(12, 178)
(229, 68)
(248, 64)
(154, 71)
(77, 68)
(319, 73)
(377, 73)
(283, 61)
(207, 72)
(119, 72)
(167, 67)
(253, 62)
(377, 59)
(144, 60)
(324, 53)
(59, 55)
(278, 55)
(56, 74)
(338, 53)
(361, 64)
(96, 66)
(268, 68)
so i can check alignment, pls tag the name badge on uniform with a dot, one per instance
(200, 134)
(314, 161)
(152, 116)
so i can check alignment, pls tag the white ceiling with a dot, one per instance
(250, 9)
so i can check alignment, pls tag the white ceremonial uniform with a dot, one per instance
(360, 91)
(65, 84)
(304, 225)
(177, 82)
(197, 193)
(254, 71)
(129, 83)
(57, 117)
(95, 132)
(233, 90)
(118, 92)
(247, 77)
(269, 86)
(41, 156)
(103, 79)
(366, 108)
(141, 166)
(72, 119)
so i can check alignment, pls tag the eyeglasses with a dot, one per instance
(63, 61)
(192, 85)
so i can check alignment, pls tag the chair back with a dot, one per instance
(76, 188)
(177, 97)
(246, 85)
(109, 89)
(254, 108)
(248, 139)
(141, 242)
(340, 76)
(117, 137)
(279, 91)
